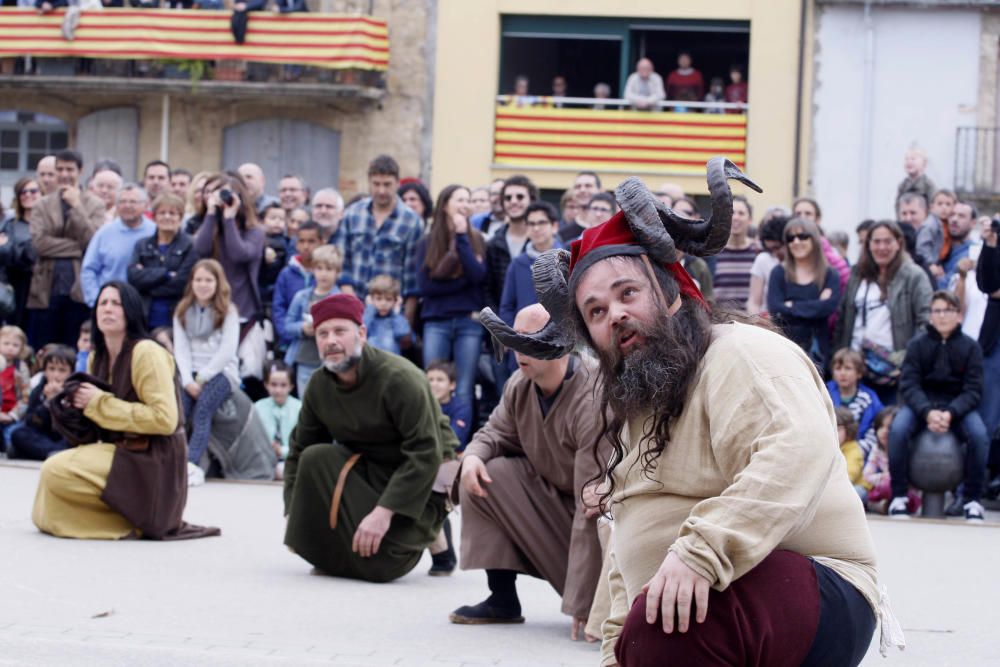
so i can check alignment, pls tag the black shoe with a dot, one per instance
(992, 489)
(956, 508)
(443, 564)
(486, 612)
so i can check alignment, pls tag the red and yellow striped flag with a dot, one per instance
(612, 140)
(321, 40)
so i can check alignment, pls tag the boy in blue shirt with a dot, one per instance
(441, 376)
(847, 391)
(387, 329)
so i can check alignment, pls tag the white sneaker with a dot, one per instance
(196, 476)
(899, 508)
(974, 512)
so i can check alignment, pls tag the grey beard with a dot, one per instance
(347, 364)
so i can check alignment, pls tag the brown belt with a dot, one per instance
(338, 490)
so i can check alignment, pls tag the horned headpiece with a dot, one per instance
(643, 226)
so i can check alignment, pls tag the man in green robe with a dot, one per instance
(362, 490)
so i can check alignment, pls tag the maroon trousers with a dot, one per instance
(769, 617)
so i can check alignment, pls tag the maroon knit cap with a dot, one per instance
(338, 306)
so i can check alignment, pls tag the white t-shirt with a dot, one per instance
(763, 264)
(873, 321)
(975, 300)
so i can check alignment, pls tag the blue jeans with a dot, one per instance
(989, 406)
(199, 413)
(302, 374)
(458, 340)
(971, 430)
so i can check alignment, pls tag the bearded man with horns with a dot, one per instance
(737, 538)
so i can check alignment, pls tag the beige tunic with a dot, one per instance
(753, 466)
(533, 520)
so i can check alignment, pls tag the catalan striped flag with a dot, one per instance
(322, 40)
(613, 140)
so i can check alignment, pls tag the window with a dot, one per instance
(25, 138)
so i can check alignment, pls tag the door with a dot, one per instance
(110, 134)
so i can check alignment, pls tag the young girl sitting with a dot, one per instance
(15, 379)
(279, 412)
(327, 262)
(847, 430)
(36, 439)
(876, 471)
(206, 337)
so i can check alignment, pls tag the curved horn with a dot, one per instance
(707, 237)
(556, 339)
(644, 213)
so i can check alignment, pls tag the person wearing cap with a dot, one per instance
(738, 539)
(370, 459)
(521, 484)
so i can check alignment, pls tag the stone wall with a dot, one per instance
(398, 125)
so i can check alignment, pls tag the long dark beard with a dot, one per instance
(653, 382)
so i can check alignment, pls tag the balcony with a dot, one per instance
(977, 172)
(605, 135)
(183, 51)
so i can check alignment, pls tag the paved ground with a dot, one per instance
(243, 599)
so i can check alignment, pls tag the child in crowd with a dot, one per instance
(387, 329)
(38, 364)
(83, 347)
(847, 431)
(206, 338)
(876, 471)
(275, 251)
(296, 276)
(847, 390)
(279, 412)
(294, 220)
(165, 337)
(15, 378)
(716, 93)
(442, 378)
(915, 166)
(35, 439)
(327, 262)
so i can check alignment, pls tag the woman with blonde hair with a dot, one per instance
(804, 291)
(206, 338)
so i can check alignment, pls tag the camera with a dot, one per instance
(995, 224)
(226, 196)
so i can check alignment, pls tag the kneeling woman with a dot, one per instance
(136, 485)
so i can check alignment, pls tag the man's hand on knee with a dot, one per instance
(474, 475)
(674, 587)
(370, 532)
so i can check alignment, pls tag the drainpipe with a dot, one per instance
(798, 103)
(165, 129)
(867, 102)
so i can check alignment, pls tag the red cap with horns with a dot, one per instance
(615, 237)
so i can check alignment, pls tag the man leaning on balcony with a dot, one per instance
(644, 88)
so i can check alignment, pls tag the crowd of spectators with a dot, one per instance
(645, 90)
(227, 273)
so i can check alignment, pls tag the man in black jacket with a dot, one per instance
(941, 385)
(988, 281)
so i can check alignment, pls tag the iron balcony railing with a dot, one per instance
(977, 171)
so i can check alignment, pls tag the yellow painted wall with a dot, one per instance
(467, 70)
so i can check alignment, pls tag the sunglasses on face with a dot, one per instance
(797, 237)
(30, 191)
(515, 197)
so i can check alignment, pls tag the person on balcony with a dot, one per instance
(644, 87)
(520, 97)
(685, 83)
(602, 91)
(736, 91)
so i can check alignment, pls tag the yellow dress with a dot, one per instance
(68, 501)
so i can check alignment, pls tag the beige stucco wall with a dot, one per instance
(198, 120)
(468, 40)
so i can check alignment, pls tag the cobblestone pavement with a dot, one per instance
(243, 599)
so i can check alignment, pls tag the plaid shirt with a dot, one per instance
(390, 249)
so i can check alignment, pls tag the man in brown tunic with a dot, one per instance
(521, 483)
